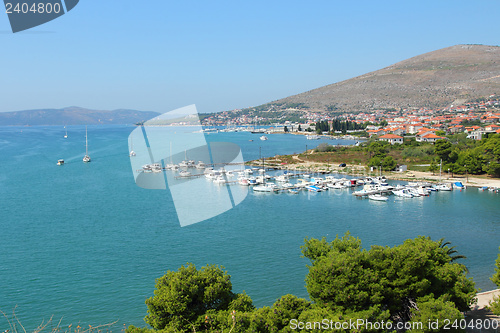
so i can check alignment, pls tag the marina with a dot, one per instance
(110, 239)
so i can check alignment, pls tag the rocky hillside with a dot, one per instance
(435, 79)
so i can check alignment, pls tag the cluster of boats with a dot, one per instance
(374, 188)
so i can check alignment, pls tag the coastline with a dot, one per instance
(360, 170)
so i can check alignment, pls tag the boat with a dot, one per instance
(312, 137)
(86, 158)
(403, 193)
(377, 197)
(313, 188)
(269, 187)
(263, 138)
(60, 162)
(65, 135)
(244, 181)
(156, 167)
(443, 187)
(201, 165)
(293, 191)
(184, 173)
(132, 152)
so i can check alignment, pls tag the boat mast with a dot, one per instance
(86, 143)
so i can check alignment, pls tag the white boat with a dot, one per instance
(263, 138)
(200, 165)
(156, 167)
(184, 173)
(60, 162)
(244, 182)
(443, 187)
(132, 152)
(377, 197)
(312, 137)
(86, 158)
(337, 186)
(281, 178)
(293, 191)
(66, 134)
(265, 187)
(403, 193)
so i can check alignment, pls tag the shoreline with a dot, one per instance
(360, 170)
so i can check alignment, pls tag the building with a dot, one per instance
(430, 137)
(391, 138)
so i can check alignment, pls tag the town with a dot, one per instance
(476, 117)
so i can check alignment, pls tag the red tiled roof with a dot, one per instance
(391, 136)
(432, 136)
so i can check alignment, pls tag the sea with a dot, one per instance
(83, 244)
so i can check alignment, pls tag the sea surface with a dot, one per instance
(84, 243)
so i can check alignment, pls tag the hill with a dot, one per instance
(433, 80)
(74, 116)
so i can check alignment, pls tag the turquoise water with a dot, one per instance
(83, 242)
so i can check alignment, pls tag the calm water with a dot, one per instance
(83, 242)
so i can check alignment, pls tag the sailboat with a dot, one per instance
(86, 158)
(65, 135)
(132, 152)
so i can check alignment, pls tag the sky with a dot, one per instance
(159, 55)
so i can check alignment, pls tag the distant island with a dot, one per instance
(74, 116)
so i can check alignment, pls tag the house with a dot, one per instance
(376, 132)
(491, 128)
(456, 129)
(391, 138)
(430, 137)
(402, 168)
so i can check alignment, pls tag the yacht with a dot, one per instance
(184, 173)
(263, 138)
(377, 197)
(269, 187)
(60, 162)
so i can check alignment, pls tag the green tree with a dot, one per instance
(496, 277)
(344, 277)
(495, 304)
(378, 149)
(442, 148)
(181, 299)
(388, 163)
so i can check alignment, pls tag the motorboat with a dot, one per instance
(263, 138)
(377, 197)
(265, 187)
(60, 162)
(403, 193)
(443, 187)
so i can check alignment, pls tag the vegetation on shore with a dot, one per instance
(495, 304)
(412, 282)
(456, 155)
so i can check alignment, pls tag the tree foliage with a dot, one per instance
(345, 277)
(418, 280)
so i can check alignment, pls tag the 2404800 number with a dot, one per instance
(35, 8)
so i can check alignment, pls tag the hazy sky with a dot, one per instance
(159, 54)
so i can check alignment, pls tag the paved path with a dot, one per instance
(480, 314)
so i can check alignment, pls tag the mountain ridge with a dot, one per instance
(433, 80)
(74, 115)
